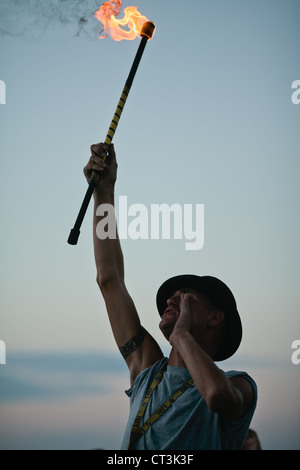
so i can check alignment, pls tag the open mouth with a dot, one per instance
(169, 311)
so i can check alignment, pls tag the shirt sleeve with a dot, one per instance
(144, 377)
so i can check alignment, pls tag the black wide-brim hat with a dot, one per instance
(217, 292)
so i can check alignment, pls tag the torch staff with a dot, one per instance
(146, 33)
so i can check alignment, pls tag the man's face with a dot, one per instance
(198, 309)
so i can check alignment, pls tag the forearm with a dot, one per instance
(107, 251)
(216, 389)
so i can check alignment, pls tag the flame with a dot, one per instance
(133, 20)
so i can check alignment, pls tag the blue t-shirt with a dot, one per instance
(188, 424)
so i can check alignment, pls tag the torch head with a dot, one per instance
(148, 29)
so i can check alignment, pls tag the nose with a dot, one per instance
(173, 301)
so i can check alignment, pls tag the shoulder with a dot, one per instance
(145, 377)
(242, 377)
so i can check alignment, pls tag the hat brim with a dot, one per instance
(217, 292)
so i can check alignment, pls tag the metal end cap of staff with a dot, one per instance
(148, 29)
(217, 292)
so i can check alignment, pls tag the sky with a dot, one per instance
(209, 121)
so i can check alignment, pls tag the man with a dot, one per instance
(252, 441)
(185, 401)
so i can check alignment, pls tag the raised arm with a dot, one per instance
(230, 397)
(137, 346)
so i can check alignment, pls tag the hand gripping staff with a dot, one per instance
(146, 33)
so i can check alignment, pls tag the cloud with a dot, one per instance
(59, 400)
(31, 376)
(63, 400)
(39, 377)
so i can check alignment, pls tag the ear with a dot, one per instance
(216, 317)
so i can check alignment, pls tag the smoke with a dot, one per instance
(31, 18)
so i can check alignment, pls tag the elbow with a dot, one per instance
(105, 281)
(214, 400)
(222, 402)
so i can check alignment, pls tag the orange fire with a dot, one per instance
(133, 20)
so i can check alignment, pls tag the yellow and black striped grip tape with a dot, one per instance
(113, 126)
(115, 120)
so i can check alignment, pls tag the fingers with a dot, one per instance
(99, 150)
(184, 297)
(112, 153)
(184, 302)
(97, 161)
